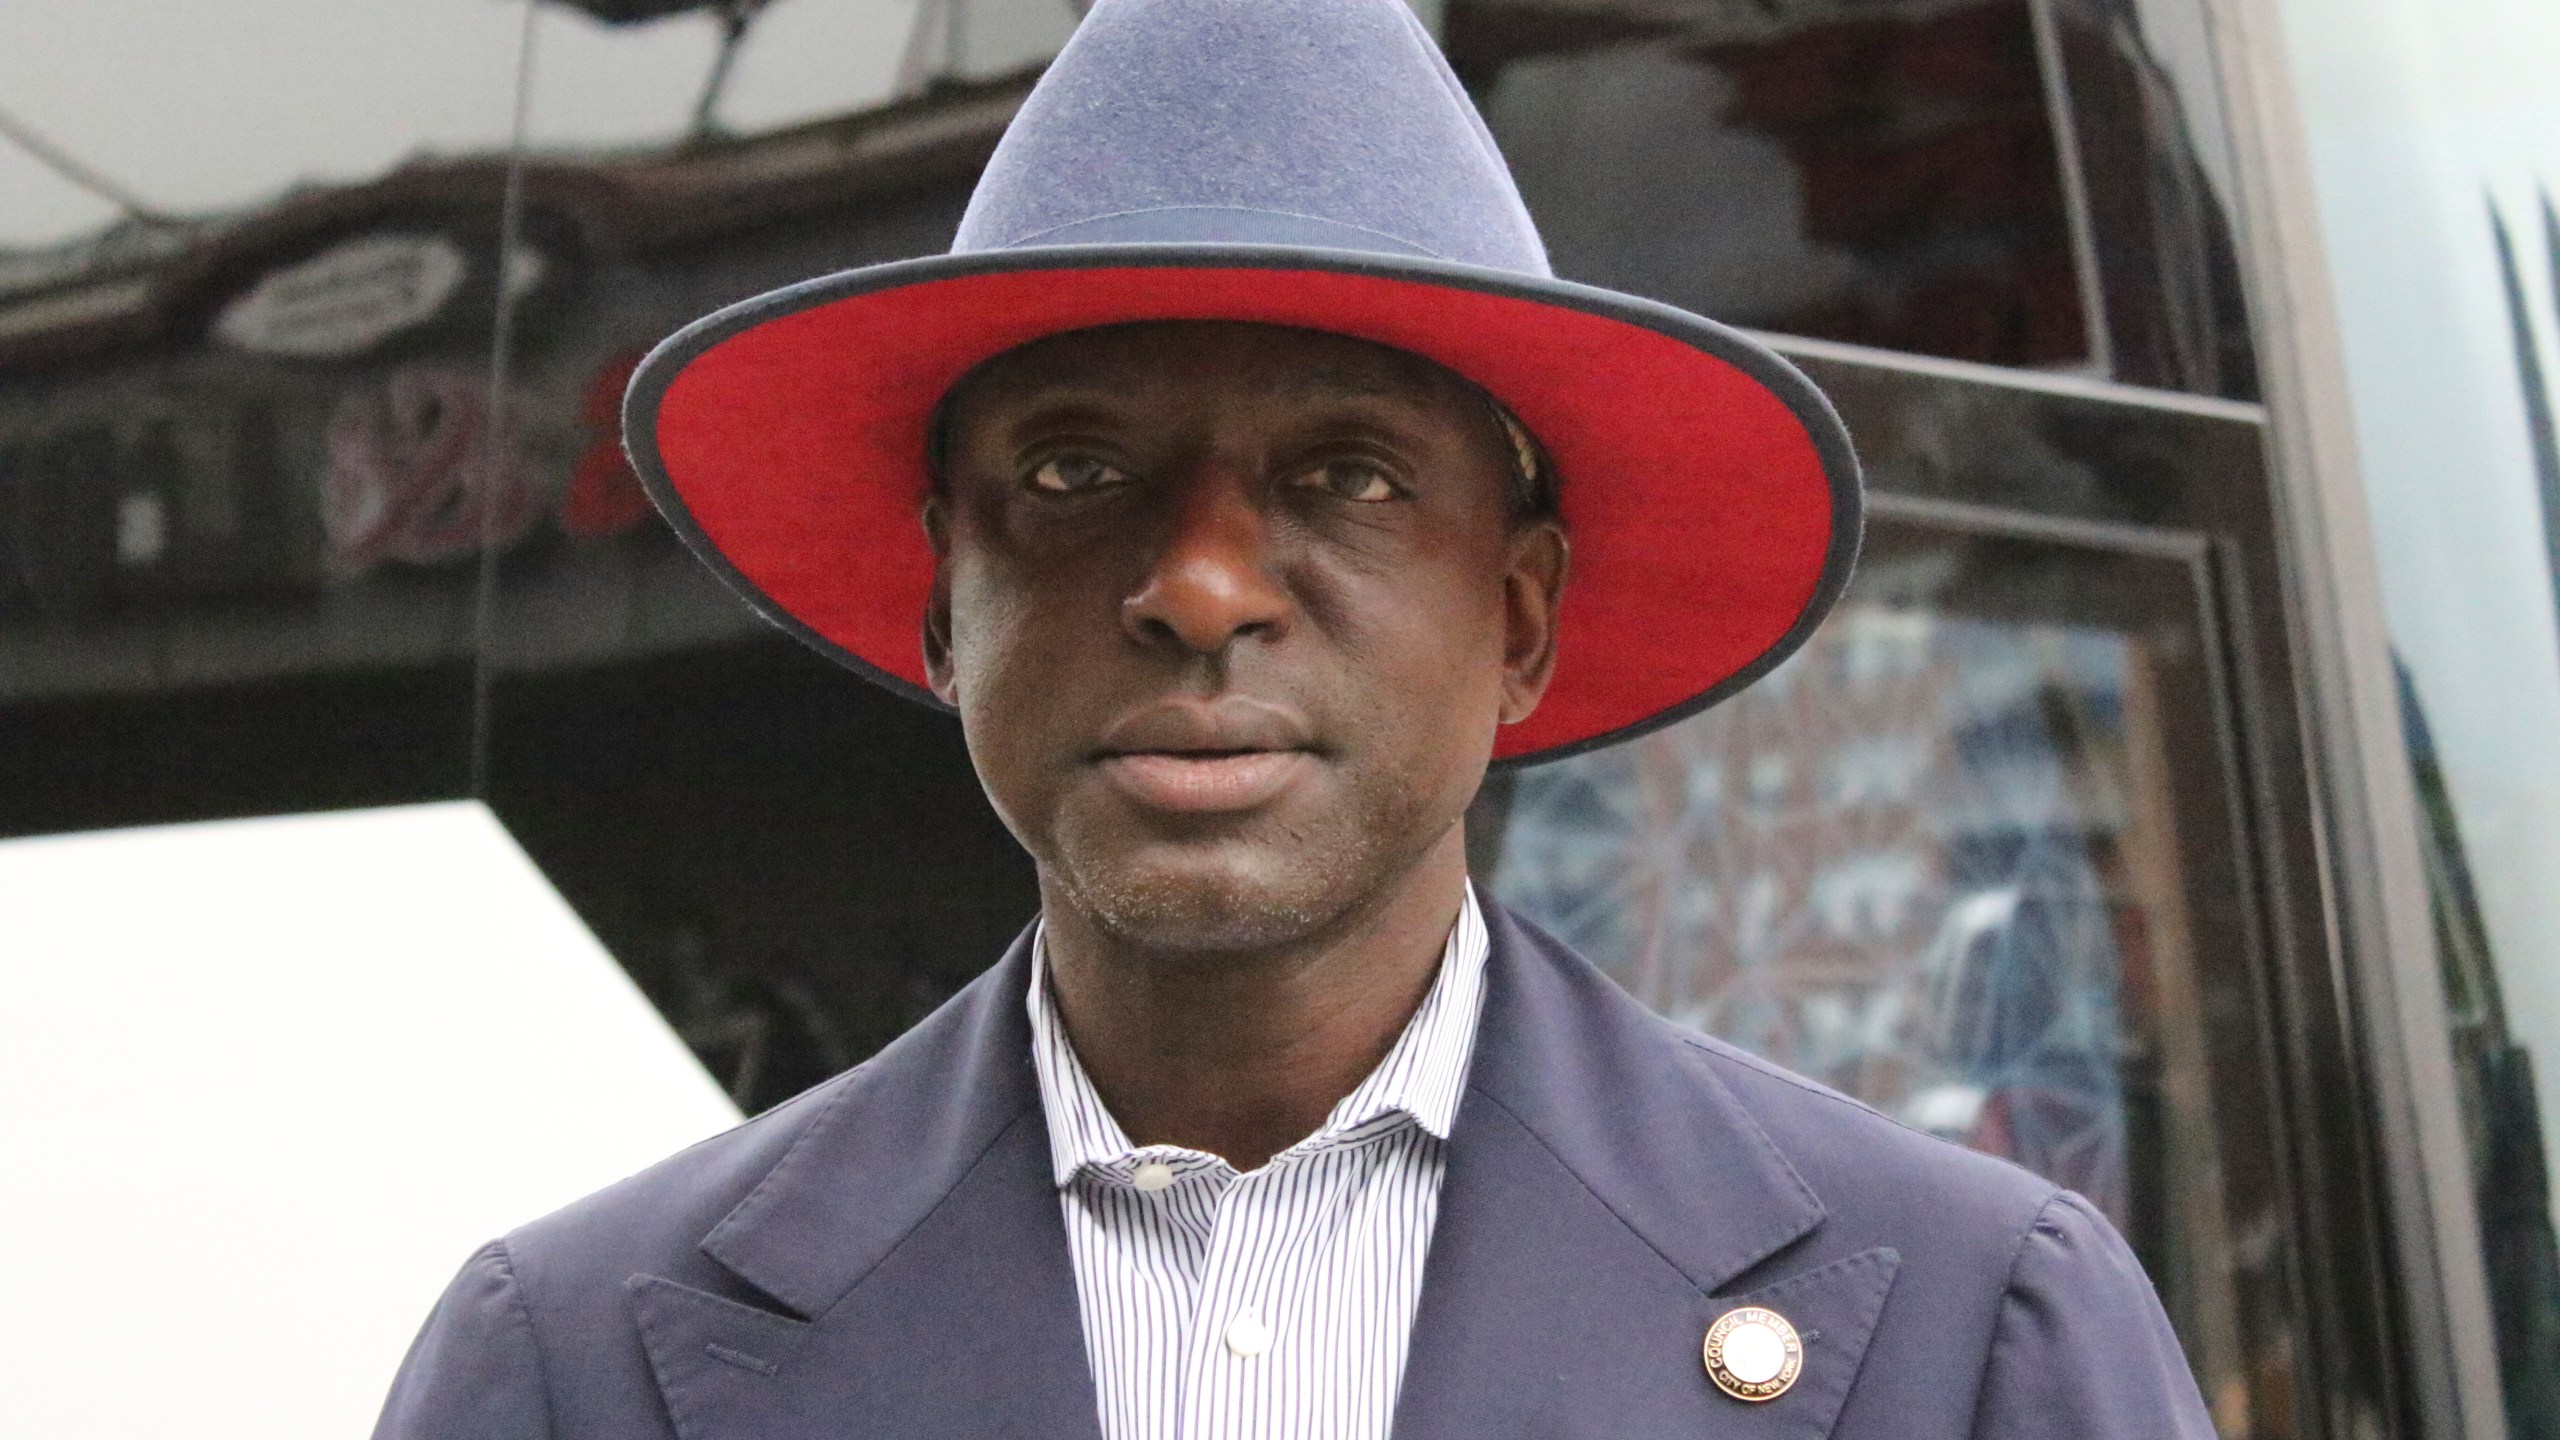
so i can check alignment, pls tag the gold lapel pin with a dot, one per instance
(1753, 1354)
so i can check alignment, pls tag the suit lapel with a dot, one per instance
(913, 1236)
(1603, 1186)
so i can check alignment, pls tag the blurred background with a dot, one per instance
(400, 835)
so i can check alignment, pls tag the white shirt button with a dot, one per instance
(1247, 1336)
(1152, 1177)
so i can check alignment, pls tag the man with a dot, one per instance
(1269, 488)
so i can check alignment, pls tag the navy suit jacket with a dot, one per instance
(884, 1256)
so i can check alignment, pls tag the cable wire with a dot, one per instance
(70, 167)
(501, 374)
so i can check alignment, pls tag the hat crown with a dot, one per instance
(1327, 123)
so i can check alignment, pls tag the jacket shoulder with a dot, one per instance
(1874, 1171)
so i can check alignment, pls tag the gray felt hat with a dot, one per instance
(1309, 163)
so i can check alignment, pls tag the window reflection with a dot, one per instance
(2008, 181)
(1883, 869)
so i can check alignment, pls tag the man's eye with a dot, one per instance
(1071, 474)
(1358, 480)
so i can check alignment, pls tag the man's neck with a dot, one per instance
(1243, 1054)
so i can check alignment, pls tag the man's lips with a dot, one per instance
(1206, 783)
(1205, 756)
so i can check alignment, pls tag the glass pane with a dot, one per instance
(1781, 173)
(2020, 182)
(1966, 857)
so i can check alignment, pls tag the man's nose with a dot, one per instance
(1211, 582)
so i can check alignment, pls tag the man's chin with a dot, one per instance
(1212, 903)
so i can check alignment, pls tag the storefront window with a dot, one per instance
(311, 497)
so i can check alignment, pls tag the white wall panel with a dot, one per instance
(267, 1083)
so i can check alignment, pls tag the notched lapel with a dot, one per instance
(1545, 1315)
(716, 1360)
(1603, 1187)
(912, 1234)
(1637, 1114)
(967, 1330)
(1834, 1309)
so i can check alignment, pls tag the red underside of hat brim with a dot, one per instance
(1705, 523)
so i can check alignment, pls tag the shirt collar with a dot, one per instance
(1420, 1079)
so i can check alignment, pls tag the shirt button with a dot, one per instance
(1247, 1336)
(1153, 1176)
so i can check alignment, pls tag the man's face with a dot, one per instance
(1230, 613)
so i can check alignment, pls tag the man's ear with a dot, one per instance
(937, 606)
(1539, 561)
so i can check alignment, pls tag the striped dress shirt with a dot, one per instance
(1274, 1305)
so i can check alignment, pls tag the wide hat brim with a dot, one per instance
(1710, 492)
